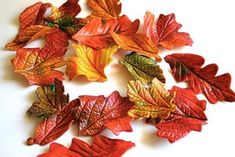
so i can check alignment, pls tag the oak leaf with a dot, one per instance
(188, 67)
(164, 31)
(142, 68)
(89, 62)
(153, 102)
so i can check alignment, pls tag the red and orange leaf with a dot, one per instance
(55, 126)
(164, 32)
(188, 104)
(178, 128)
(97, 35)
(104, 9)
(138, 43)
(38, 65)
(188, 67)
(90, 63)
(97, 111)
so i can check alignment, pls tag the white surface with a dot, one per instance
(212, 28)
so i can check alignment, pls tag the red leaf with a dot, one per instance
(188, 67)
(97, 35)
(165, 31)
(187, 103)
(175, 129)
(55, 126)
(97, 112)
(101, 146)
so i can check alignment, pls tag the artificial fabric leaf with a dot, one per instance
(97, 35)
(53, 127)
(142, 68)
(65, 17)
(95, 112)
(52, 99)
(188, 67)
(38, 65)
(178, 128)
(101, 146)
(188, 104)
(31, 25)
(89, 62)
(165, 31)
(153, 102)
(104, 9)
(138, 43)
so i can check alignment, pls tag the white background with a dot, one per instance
(212, 28)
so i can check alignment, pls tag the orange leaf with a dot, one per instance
(138, 43)
(38, 65)
(89, 62)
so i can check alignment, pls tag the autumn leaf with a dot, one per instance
(101, 146)
(164, 31)
(38, 65)
(138, 43)
(142, 68)
(188, 104)
(153, 102)
(31, 26)
(98, 112)
(178, 128)
(89, 62)
(97, 35)
(104, 9)
(188, 67)
(52, 99)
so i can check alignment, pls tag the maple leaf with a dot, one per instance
(101, 146)
(153, 102)
(138, 43)
(65, 17)
(165, 31)
(188, 104)
(142, 68)
(53, 127)
(178, 128)
(97, 35)
(188, 67)
(104, 9)
(89, 62)
(96, 112)
(31, 26)
(52, 99)
(38, 65)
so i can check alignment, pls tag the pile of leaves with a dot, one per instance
(175, 112)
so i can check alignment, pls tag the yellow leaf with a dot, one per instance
(89, 62)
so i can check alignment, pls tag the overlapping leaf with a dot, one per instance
(165, 31)
(38, 65)
(153, 102)
(89, 62)
(188, 67)
(52, 100)
(101, 146)
(96, 112)
(97, 35)
(142, 68)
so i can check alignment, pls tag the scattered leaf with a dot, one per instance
(142, 68)
(38, 65)
(165, 31)
(96, 112)
(89, 62)
(188, 67)
(153, 102)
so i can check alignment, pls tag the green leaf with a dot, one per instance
(142, 68)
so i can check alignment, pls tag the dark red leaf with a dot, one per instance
(188, 67)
